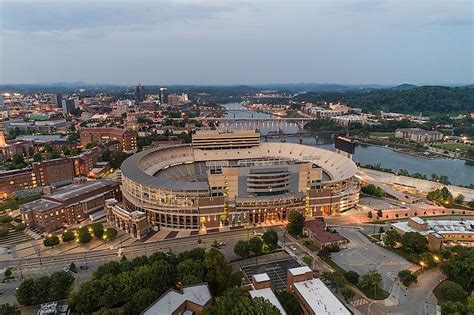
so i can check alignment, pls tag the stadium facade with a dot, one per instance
(230, 179)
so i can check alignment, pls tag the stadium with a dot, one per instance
(231, 179)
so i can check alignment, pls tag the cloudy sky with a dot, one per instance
(232, 42)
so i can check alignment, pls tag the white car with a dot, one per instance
(293, 248)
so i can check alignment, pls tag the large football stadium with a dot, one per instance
(232, 179)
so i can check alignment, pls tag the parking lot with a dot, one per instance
(277, 271)
(361, 256)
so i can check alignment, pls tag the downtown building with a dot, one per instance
(231, 179)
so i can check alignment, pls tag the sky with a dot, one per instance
(237, 42)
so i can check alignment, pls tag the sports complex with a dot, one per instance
(230, 179)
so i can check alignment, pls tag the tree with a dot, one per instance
(18, 159)
(217, 271)
(25, 294)
(308, 260)
(72, 267)
(391, 238)
(9, 309)
(352, 277)
(255, 246)
(97, 230)
(334, 279)
(407, 277)
(348, 293)
(8, 273)
(83, 235)
(289, 302)
(142, 299)
(372, 280)
(37, 157)
(369, 214)
(110, 234)
(51, 241)
(379, 213)
(414, 242)
(295, 224)
(452, 308)
(459, 199)
(87, 298)
(234, 302)
(470, 303)
(242, 249)
(61, 284)
(190, 271)
(68, 236)
(4, 232)
(20, 227)
(270, 239)
(452, 291)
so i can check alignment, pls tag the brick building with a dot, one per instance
(18, 183)
(57, 172)
(68, 205)
(126, 137)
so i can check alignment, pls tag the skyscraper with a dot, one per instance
(163, 96)
(57, 99)
(68, 106)
(139, 94)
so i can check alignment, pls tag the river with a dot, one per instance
(457, 171)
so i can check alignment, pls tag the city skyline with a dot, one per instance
(225, 43)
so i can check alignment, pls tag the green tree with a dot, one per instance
(217, 271)
(51, 241)
(334, 279)
(18, 159)
(234, 302)
(414, 242)
(452, 308)
(295, 224)
(369, 214)
(470, 303)
(452, 291)
(391, 238)
(142, 299)
(289, 302)
(72, 267)
(459, 199)
(37, 157)
(352, 277)
(190, 271)
(371, 281)
(83, 235)
(242, 249)
(8, 273)
(347, 293)
(20, 227)
(379, 213)
(255, 246)
(270, 239)
(9, 309)
(459, 267)
(4, 232)
(110, 234)
(61, 284)
(97, 230)
(407, 277)
(308, 260)
(87, 298)
(68, 236)
(25, 294)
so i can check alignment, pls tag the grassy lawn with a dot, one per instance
(453, 146)
(381, 134)
(13, 204)
(380, 294)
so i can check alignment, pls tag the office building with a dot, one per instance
(163, 96)
(139, 94)
(57, 99)
(68, 106)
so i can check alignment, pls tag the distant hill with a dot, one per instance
(429, 100)
(403, 87)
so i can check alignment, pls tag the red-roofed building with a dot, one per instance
(316, 231)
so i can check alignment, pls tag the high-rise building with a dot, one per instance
(173, 100)
(163, 96)
(57, 99)
(139, 94)
(68, 105)
(2, 103)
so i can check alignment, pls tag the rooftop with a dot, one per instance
(319, 298)
(268, 294)
(439, 227)
(168, 303)
(40, 205)
(300, 270)
(261, 277)
(75, 190)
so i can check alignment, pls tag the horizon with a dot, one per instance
(208, 42)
